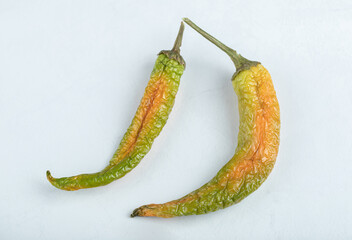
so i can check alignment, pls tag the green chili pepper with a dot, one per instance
(258, 144)
(150, 118)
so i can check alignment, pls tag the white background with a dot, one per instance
(71, 77)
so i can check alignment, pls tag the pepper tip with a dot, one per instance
(48, 174)
(49, 177)
(135, 213)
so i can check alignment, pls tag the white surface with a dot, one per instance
(73, 72)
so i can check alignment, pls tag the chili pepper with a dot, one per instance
(258, 144)
(150, 118)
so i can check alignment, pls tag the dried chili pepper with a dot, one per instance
(150, 118)
(258, 144)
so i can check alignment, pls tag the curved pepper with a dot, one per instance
(150, 118)
(255, 155)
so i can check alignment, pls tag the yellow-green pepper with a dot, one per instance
(150, 118)
(256, 152)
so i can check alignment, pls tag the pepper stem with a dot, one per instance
(178, 41)
(174, 53)
(237, 59)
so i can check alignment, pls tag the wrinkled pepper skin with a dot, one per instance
(256, 152)
(150, 118)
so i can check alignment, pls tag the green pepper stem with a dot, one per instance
(178, 41)
(237, 59)
(174, 53)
